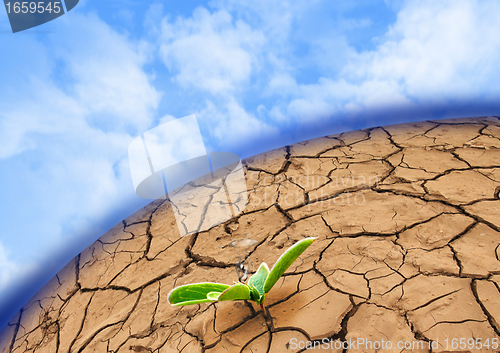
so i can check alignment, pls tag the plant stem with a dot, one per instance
(262, 307)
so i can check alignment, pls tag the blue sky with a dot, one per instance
(76, 91)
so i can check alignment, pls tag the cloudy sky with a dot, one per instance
(260, 74)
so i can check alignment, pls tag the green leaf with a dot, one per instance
(258, 279)
(285, 261)
(194, 293)
(192, 302)
(254, 293)
(213, 295)
(238, 291)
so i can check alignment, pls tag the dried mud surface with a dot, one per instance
(408, 226)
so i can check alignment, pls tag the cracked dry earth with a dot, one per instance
(408, 251)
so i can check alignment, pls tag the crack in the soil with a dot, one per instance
(351, 154)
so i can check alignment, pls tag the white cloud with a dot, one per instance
(107, 71)
(274, 18)
(318, 101)
(232, 125)
(283, 84)
(64, 129)
(315, 27)
(437, 49)
(209, 51)
(174, 142)
(44, 109)
(10, 269)
(105, 88)
(245, 51)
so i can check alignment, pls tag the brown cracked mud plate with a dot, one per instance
(408, 226)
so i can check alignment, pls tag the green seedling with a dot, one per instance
(256, 289)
